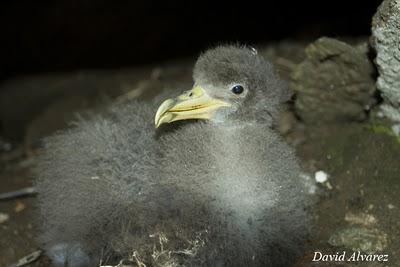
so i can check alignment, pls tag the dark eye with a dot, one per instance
(237, 89)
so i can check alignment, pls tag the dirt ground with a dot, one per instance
(360, 197)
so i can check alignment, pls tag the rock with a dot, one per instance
(321, 177)
(359, 238)
(360, 218)
(19, 206)
(386, 42)
(4, 217)
(334, 83)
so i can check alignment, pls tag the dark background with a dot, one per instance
(59, 35)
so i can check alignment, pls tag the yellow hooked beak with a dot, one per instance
(193, 104)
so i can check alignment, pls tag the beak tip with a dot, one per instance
(161, 111)
(184, 107)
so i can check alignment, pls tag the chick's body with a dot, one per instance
(223, 192)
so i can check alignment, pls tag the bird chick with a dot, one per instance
(219, 189)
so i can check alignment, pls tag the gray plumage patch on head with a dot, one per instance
(223, 66)
(228, 64)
